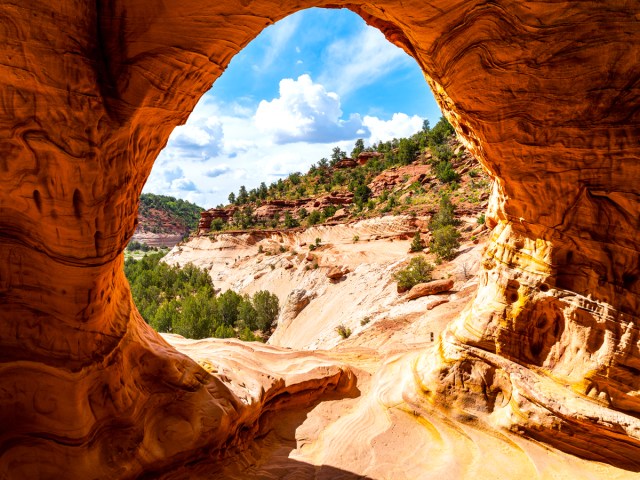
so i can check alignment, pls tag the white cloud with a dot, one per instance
(400, 125)
(243, 154)
(171, 175)
(305, 111)
(355, 62)
(184, 184)
(199, 140)
(217, 171)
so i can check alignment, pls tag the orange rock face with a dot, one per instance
(544, 94)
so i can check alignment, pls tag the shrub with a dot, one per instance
(247, 335)
(217, 224)
(364, 321)
(224, 331)
(343, 331)
(417, 245)
(441, 153)
(418, 271)
(444, 172)
(314, 218)
(407, 151)
(356, 238)
(445, 242)
(445, 214)
(481, 219)
(329, 211)
(289, 221)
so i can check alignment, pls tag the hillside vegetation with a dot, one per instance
(165, 214)
(401, 176)
(183, 301)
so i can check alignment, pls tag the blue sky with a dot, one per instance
(314, 80)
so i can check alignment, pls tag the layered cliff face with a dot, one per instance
(545, 96)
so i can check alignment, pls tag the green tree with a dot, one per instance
(267, 307)
(445, 214)
(224, 331)
(357, 148)
(165, 317)
(247, 314)
(445, 172)
(314, 217)
(247, 335)
(407, 151)
(337, 155)
(232, 198)
(263, 191)
(417, 245)
(445, 242)
(440, 132)
(294, 178)
(361, 194)
(289, 221)
(217, 224)
(418, 271)
(243, 196)
(227, 311)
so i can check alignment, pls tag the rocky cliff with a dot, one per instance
(544, 94)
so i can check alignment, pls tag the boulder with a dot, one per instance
(336, 273)
(347, 163)
(430, 288)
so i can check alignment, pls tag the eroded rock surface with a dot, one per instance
(544, 94)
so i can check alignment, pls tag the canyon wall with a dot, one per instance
(544, 94)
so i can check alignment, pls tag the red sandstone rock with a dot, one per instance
(364, 157)
(429, 288)
(390, 179)
(436, 303)
(347, 163)
(336, 273)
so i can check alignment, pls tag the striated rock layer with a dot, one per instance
(545, 94)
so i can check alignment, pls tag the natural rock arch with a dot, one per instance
(545, 94)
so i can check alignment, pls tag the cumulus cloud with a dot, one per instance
(184, 184)
(360, 60)
(171, 175)
(400, 125)
(305, 111)
(197, 141)
(218, 170)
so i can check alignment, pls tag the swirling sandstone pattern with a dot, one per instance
(545, 94)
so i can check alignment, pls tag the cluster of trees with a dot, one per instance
(183, 211)
(183, 301)
(134, 245)
(324, 177)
